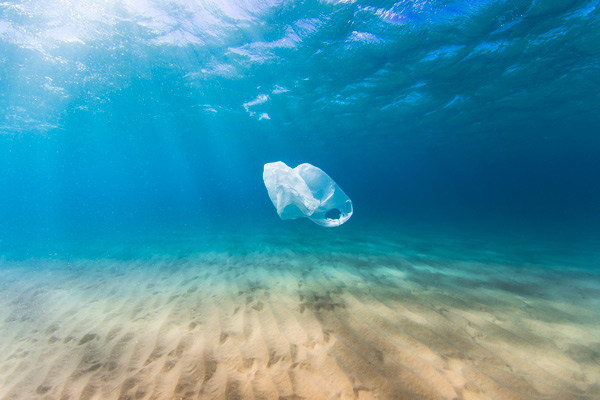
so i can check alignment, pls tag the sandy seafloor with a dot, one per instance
(273, 315)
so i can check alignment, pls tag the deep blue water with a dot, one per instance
(123, 118)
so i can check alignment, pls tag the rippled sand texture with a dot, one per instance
(287, 324)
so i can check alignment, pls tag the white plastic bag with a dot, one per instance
(306, 191)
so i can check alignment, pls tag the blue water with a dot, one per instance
(135, 116)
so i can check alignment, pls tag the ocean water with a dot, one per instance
(141, 256)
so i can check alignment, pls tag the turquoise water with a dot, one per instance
(144, 115)
(133, 136)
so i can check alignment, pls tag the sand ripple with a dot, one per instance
(292, 326)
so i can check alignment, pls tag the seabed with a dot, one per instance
(274, 316)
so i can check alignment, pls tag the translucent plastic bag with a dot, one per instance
(306, 191)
